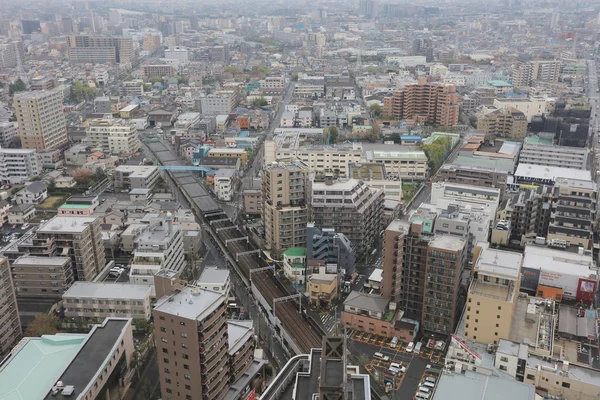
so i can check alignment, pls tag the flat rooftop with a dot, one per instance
(137, 171)
(191, 302)
(499, 263)
(111, 290)
(560, 261)
(66, 224)
(214, 275)
(544, 172)
(92, 356)
(447, 242)
(474, 386)
(32, 260)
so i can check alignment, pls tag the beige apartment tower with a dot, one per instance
(191, 343)
(99, 49)
(493, 294)
(508, 123)
(42, 123)
(284, 209)
(10, 325)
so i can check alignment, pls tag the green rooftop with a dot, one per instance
(295, 252)
(538, 140)
(76, 206)
(32, 371)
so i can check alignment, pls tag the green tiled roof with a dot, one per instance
(295, 252)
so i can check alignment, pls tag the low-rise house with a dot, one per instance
(21, 213)
(34, 193)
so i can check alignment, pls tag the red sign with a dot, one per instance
(251, 395)
(585, 290)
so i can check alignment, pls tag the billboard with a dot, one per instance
(530, 277)
(586, 290)
(568, 283)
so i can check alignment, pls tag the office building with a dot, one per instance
(99, 49)
(367, 8)
(112, 136)
(504, 123)
(18, 166)
(42, 123)
(321, 374)
(79, 238)
(350, 207)
(71, 365)
(181, 54)
(30, 26)
(36, 276)
(285, 206)
(89, 300)
(573, 215)
(136, 176)
(10, 324)
(190, 328)
(160, 70)
(158, 247)
(424, 102)
(220, 103)
(538, 70)
(492, 294)
(537, 153)
(528, 174)
(424, 273)
(329, 247)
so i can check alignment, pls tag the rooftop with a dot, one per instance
(137, 171)
(447, 242)
(560, 261)
(475, 386)
(66, 224)
(365, 301)
(214, 275)
(112, 290)
(295, 252)
(499, 263)
(544, 172)
(191, 302)
(31, 260)
(239, 332)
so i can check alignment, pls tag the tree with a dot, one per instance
(18, 86)
(436, 151)
(473, 121)
(233, 70)
(81, 92)
(264, 70)
(376, 110)
(82, 176)
(332, 134)
(43, 324)
(141, 325)
(259, 102)
(182, 80)
(156, 79)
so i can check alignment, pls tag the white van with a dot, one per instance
(418, 348)
(381, 357)
(424, 389)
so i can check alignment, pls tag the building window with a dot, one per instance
(503, 368)
(498, 316)
(165, 351)
(504, 359)
(566, 385)
(499, 307)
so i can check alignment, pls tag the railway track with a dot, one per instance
(299, 329)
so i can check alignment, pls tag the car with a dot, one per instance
(430, 379)
(381, 357)
(394, 342)
(25, 225)
(410, 347)
(124, 191)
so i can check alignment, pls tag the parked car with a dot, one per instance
(410, 347)
(381, 357)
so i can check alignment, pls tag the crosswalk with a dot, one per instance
(329, 322)
(379, 263)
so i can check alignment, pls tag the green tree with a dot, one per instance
(43, 324)
(156, 79)
(332, 135)
(264, 70)
(233, 70)
(375, 110)
(473, 121)
(182, 80)
(437, 151)
(259, 102)
(18, 86)
(99, 175)
(81, 92)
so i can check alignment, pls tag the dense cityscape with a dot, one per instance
(285, 200)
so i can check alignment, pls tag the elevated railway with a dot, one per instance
(296, 333)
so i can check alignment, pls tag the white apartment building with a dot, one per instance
(224, 186)
(11, 54)
(477, 197)
(132, 88)
(530, 107)
(272, 84)
(392, 190)
(305, 119)
(188, 120)
(18, 166)
(136, 176)
(159, 247)
(42, 123)
(222, 102)
(106, 300)
(554, 156)
(181, 54)
(113, 136)
(8, 133)
(287, 119)
(215, 279)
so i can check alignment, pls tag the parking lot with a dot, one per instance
(404, 385)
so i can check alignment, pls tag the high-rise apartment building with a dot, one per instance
(10, 325)
(42, 123)
(422, 274)
(573, 212)
(329, 247)
(285, 209)
(151, 43)
(114, 136)
(46, 277)
(492, 294)
(99, 49)
(508, 123)
(11, 54)
(222, 102)
(425, 102)
(190, 328)
(351, 207)
(538, 70)
(367, 8)
(30, 26)
(79, 238)
(181, 54)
